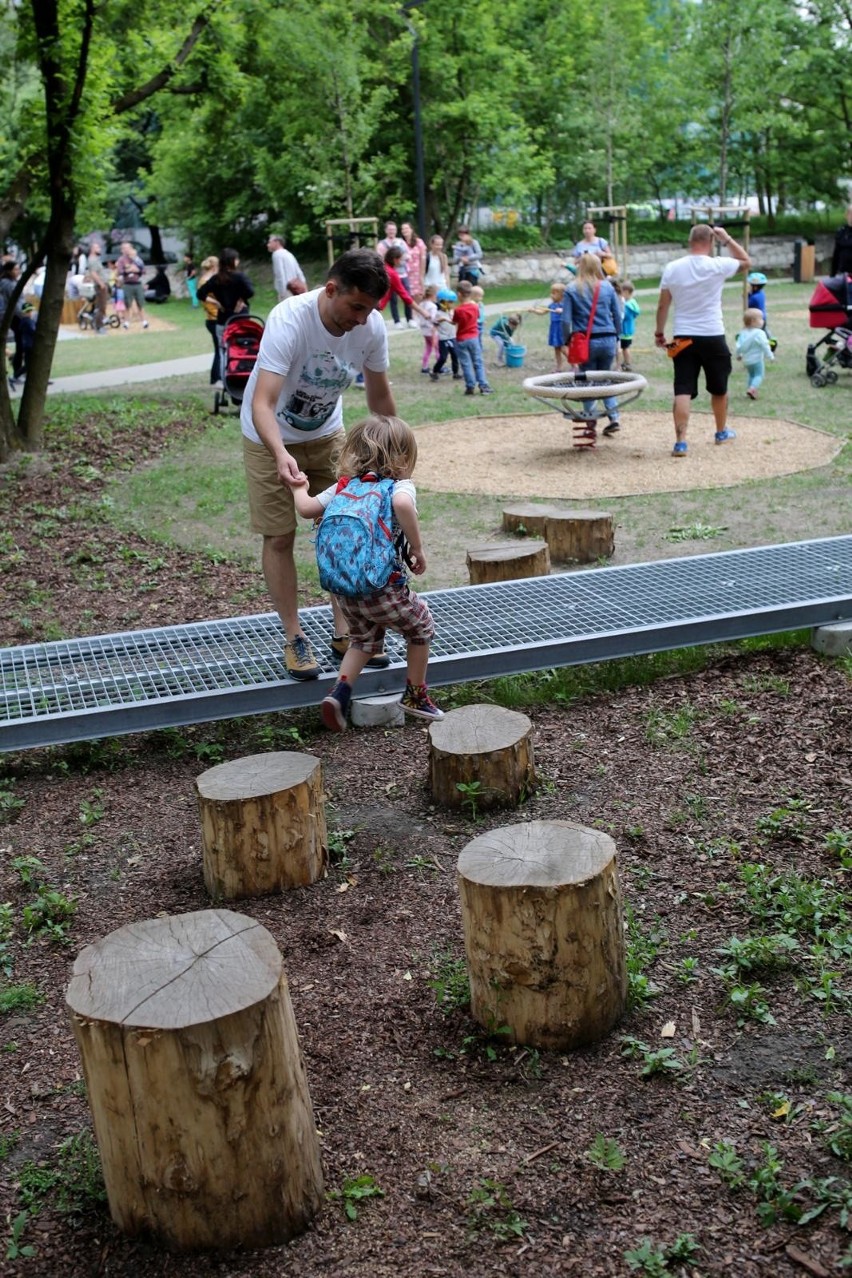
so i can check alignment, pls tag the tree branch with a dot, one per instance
(159, 81)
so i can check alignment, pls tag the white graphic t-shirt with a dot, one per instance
(316, 367)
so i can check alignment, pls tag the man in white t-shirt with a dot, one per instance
(292, 420)
(288, 277)
(694, 284)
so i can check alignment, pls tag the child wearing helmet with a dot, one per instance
(757, 301)
(446, 335)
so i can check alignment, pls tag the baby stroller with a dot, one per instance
(830, 307)
(86, 317)
(238, 356)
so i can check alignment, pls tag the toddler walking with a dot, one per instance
(753, 348)
(427, 323)
(468, 349)
(555, 337)
(377, 449)
(446, 335)
(629, 314)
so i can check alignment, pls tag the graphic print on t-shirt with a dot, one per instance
(321, 382)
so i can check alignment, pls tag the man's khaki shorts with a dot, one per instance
(271, 505)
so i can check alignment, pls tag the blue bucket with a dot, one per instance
(515, 356)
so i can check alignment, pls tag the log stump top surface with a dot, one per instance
(170, 973)
(478, 730)
(532, 510)
(536, 854)
(256, 775)
(498, 550)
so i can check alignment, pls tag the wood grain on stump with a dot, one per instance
(196, 1082)
(543, 930)
(507, 561)
(263, 825)
(485, 746)
(578, 536)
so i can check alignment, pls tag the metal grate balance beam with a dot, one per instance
(77, 689)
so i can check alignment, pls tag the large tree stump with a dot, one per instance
(543, 932)
(484, 746)
(195, 1078)
(262, 824)
(507, 561)
(580, 536)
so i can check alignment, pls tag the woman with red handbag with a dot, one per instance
(591, 324)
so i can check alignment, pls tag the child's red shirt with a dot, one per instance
(466, 320)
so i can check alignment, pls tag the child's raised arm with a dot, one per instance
(306, 507)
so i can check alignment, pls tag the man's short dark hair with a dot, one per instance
(362, 270)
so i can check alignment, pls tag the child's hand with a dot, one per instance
(417, 562)
(298, 480)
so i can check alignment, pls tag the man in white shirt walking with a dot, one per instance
(694, 284)
(287, 275)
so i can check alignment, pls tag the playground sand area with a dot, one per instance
(532, 455)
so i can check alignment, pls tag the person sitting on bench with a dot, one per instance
(158, 289)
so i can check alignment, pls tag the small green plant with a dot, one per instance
(655, 1060)
(9, 801)
(687, 972)
(492, 1209)
(19, 998)
(383, 858)
(696, 532)
(839, 1133)
(338, 845)
(450, 982)
(74, 1181)
(726, 1161)
(664, 729)
(472, 793)
(784, 822)
(422, 865)
(209, 752)
(15, 1249)
(656, 1262)
(91, 809)
(605, 1154)
(839, 844)
(49, 914)
(355, 1189)
(643, 946)
(7, 1144)
(29, 869)
(749, 1003)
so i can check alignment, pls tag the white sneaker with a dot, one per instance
(144, 323)
(398, 324)
(125, 324)
(412, 323)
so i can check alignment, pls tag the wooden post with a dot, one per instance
(507, 561)
(196, 1082)
(581, 536)
(262, 824)
(543, 932)
(486, 745)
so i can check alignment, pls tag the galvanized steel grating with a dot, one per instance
(109, 684)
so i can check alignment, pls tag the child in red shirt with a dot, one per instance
(468, 348)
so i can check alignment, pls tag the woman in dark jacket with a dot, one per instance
(230, 288)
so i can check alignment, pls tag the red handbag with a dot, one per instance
(578, 346)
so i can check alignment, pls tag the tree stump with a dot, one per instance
(262, 824)
(196, 1082)
(579, 536)
(482, 746)
(507, 561)
(543, 932)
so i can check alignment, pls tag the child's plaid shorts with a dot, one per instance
(396, 607)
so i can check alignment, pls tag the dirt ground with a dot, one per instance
(530, 455)
(476, 1158)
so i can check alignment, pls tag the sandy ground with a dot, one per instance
(532, 456)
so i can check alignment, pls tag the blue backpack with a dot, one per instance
(354, 540)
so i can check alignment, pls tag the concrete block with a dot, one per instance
(833, 640)
(377, 712)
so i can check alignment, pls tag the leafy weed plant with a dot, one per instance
(659, 1060)
(49, 914)
(605, 1154)
(492, 1209)
(450, 983)
(355, 1190)
(19, 998)
(74, 1182)
(657, 1262)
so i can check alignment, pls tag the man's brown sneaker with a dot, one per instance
(340, 645)
(299, 659)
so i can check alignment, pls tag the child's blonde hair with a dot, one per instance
(753, 317)
(384, 445)
(430, 291)
(557, 289)
(465, 288)
(477, 293)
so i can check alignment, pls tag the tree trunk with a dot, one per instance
(507, 561)
(263, 824)
(485, 749)
(196, 1082)
(541, 908)
(57, 251)
(579, 536)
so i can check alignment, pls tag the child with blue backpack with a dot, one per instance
(367, 532)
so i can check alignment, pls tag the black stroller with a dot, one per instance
(830, 307)
(87, 316)
(238, 356)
